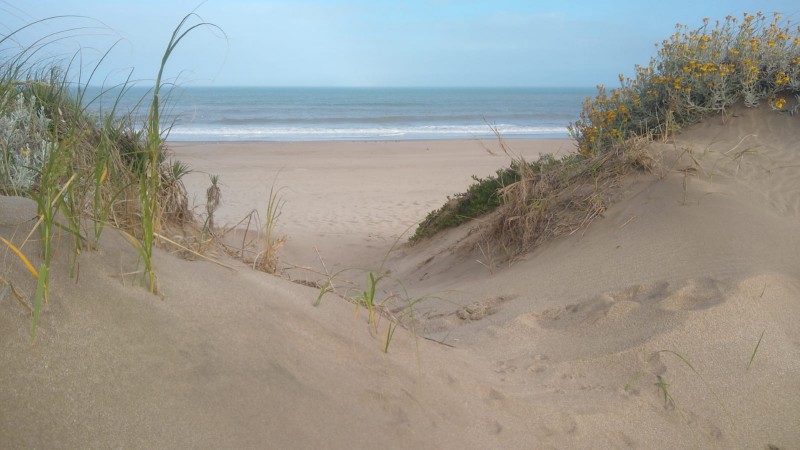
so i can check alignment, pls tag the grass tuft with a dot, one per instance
(664, 387)
(84, 171)
(267, 259)
(213, 200)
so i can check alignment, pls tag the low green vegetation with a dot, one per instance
(752, 61)
(483, 196)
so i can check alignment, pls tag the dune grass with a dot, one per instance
(83, 171)
(755, 350)
(375, 300)
(152, 178)
(267, 259)
(697, 72)
(380, 303)
(213, 200)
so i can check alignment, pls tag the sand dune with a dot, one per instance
(638, 332)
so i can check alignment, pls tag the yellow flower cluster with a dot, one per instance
(697, 69)
(604, 117)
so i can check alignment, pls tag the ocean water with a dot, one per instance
(307, 114)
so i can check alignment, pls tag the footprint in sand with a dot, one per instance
(443, 322)
(617, 307)
(556, 424)
(697, 294)
(480, 309)
(622, 319)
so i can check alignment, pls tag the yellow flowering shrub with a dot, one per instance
(696, 72)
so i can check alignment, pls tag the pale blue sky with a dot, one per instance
(382, 43)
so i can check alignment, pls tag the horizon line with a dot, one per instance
(353, 86)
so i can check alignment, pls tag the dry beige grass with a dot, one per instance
(557, 197)
(267, 259)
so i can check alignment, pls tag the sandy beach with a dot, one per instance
(670, 322)
(350, 200)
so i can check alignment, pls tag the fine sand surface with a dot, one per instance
(349, 200)
(637, 332)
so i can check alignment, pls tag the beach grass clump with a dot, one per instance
(560, 197)
(213, 200)
(173, 198)
(377, 307)
(40, 153)
(488, 194)
(267, 258)
(697, 72)
(398, 308)
(83, 171)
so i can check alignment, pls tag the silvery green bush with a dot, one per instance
(24, 144)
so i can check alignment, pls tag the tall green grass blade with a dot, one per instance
(753, 356)
(702, 378)
(324, 290)
(389, 333)
(150, 177)
(372, 283)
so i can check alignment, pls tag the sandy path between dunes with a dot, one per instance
(352, 200)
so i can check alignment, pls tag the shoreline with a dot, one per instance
(364, 141)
